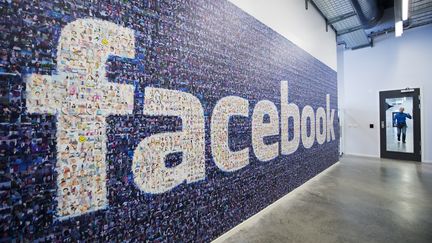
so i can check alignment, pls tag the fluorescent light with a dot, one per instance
(398, 28)
(405, 4)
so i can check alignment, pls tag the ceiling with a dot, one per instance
(358, 22)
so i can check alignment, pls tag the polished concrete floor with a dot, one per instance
(356, 200)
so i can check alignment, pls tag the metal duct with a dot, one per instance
(368, 11)
(357, 22)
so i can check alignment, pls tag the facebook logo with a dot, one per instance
(81, 97)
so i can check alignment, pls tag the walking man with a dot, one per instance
(400, 119)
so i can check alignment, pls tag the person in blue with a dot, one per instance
(400, 120)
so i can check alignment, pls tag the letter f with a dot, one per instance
(81, 98)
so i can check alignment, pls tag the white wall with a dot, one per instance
(341, 87)
(305, 28)
(393, 63)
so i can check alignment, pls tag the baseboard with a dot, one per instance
(377, 157)
(364, 155)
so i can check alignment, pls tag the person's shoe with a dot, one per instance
(403, 142)
(399, 139)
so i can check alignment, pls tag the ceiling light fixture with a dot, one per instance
(399, 28)
(405, 4)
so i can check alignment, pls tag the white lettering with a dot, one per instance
(330, 120)
(287, 111)
(308, 114)
(83, 49)
(260, 130)
(321, 121)
(81, 98)
(150, 173)
(224, 158)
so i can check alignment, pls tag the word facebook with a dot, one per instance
(81, 97)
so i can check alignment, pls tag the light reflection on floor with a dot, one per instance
(357, 200)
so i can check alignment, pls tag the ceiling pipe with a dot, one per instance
(368, 11)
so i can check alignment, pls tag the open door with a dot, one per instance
(400, 124)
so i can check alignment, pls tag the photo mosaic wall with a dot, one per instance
(154, 120)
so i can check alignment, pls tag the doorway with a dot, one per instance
(400, 124)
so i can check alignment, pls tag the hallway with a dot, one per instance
(356, 200)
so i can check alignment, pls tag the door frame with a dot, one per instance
(415, 93)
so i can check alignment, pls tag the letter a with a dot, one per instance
(151, 175)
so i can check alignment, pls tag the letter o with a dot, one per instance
(308, 113)
(321, 119)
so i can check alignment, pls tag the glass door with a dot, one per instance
(400, 124)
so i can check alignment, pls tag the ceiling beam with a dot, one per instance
(349, 30)
(421, 11)
(311, 2)
(370, 44)
(341, 17)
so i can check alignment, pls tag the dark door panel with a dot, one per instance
(400, 139)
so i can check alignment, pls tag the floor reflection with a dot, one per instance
(357, 200)
(397, 146)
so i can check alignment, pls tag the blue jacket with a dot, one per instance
(400, 118)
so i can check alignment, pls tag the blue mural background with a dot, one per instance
(210, 49)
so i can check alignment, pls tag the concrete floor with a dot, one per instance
(356, 200)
